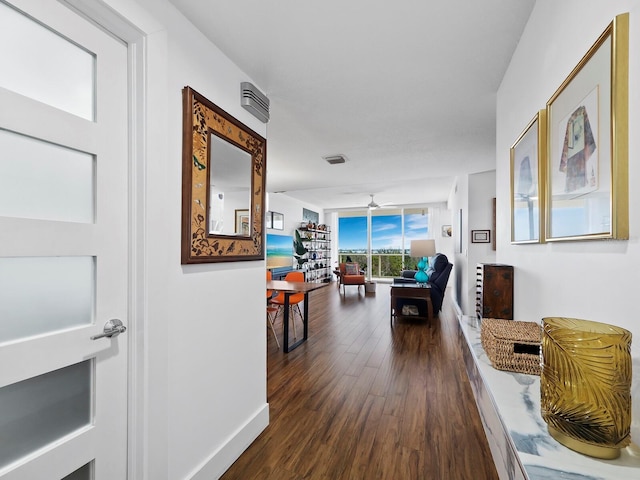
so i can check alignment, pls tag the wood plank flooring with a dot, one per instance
(360, 400)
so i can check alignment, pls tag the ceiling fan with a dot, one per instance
(373, 205)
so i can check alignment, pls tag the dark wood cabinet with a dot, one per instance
(494, 291)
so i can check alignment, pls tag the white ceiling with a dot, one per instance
(406, 89)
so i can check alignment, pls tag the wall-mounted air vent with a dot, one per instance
(335, 159)
(254, 101)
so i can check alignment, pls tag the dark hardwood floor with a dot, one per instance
(360, 400)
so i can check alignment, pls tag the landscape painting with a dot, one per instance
(279, 250)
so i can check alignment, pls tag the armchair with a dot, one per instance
(350, 275)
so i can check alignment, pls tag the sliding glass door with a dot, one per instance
(379, 240)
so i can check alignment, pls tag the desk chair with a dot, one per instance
(272, 311)
(294, 299)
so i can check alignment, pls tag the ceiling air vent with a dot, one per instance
(335, 159)
(254, 101)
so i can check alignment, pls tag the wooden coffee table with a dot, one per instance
(407, 291)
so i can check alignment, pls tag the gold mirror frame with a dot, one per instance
(201, 119)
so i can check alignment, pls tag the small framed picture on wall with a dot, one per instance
(480, 236)
(278, 221)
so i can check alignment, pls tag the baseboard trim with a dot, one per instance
(220, 460)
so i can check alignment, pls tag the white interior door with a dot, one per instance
(63, 245)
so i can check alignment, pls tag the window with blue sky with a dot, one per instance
(386, 230)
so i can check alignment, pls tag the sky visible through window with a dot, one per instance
(386, 232)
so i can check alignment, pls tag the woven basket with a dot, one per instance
(512, 345)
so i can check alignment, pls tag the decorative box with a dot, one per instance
(512, 345)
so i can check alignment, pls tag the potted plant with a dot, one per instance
(300, 250)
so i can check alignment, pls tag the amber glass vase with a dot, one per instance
(585, 385)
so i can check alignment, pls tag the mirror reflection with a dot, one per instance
(229, 188)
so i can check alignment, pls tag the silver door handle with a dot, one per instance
(112, 328)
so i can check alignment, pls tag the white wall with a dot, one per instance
(217, 348)
(292, 211)
(440, 215)
(472, 195)
(204, 338)
(458, 204)
(594, 280)
(482, 191)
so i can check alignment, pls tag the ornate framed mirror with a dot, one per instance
(223, 173)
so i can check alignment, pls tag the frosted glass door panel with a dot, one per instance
(44, 181)
(44, 294)
(83, 473)
(47, 67)
(43, 409)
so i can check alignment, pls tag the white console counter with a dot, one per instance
(509, 405)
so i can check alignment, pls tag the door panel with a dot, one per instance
(52, 280)
(42, 409)
(52, 463)
(63, 248)
(47, 66)
(45, 181)
(83, 473)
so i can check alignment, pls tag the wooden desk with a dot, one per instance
(410, 291)
(289, 288)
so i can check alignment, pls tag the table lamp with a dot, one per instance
(423, 249)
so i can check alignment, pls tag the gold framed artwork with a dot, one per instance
(242, 222)
(587, 187)
(223, 180)
(527, 192)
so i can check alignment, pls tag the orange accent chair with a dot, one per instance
(294, 299)
(350, 275)
(272, 311)
(269, 292)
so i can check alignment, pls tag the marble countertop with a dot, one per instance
(517, 399)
